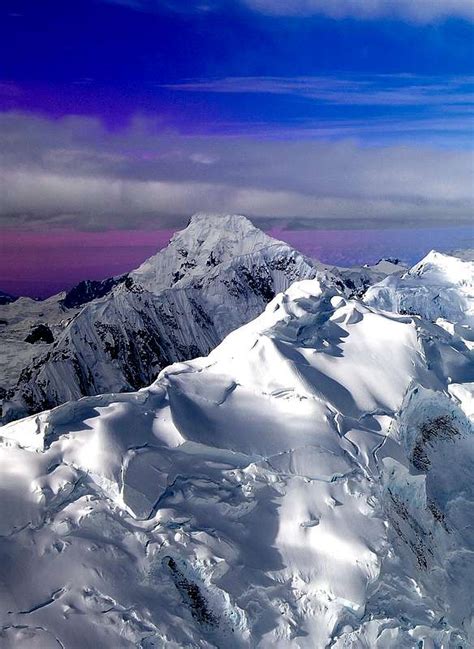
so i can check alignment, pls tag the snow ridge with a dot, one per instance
(439, 288)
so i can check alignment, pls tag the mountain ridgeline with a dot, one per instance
(116, 335)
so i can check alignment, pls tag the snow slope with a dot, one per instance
(308, 484)
(22, 318)
(214, 276)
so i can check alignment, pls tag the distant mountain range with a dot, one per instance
(116, 335)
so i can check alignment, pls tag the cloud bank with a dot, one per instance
(74, 173)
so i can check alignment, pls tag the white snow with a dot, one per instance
(308, 484)
(440, 287)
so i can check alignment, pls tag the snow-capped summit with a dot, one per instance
(308, 484)
(207, 241)
(440, 286)
(440, 268)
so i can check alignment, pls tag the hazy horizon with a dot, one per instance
(37, 265)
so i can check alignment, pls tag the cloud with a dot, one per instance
(418, 11)
(401, 105)
(74, 173)
(374, 90)
(176, 6)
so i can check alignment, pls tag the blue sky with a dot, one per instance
(135, 113)
(188, 64)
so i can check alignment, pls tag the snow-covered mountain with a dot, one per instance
(116, 335)
(439, 288)
(307, 485)
(29, 328)
(19, 324)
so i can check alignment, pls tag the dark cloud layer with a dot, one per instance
(73, 172)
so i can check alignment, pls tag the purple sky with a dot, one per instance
(39, 265)
(345, 126)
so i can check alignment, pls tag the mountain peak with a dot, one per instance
(439, 286)
(444, 268)
(215, 227)
(220, 220)
(207, 241)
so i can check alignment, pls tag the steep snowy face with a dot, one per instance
(288, 490)
(207, 241)
(440, 286)
(29, 328)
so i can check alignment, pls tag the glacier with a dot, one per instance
(306, 484)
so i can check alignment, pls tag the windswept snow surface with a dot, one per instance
(308, 484)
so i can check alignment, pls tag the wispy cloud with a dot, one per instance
(419, 11)
(177, 6)
(413, 10)
(374, 90)
(400, 106)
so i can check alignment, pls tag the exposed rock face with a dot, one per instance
(89, 290)
(6, 298)
(40, 334)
